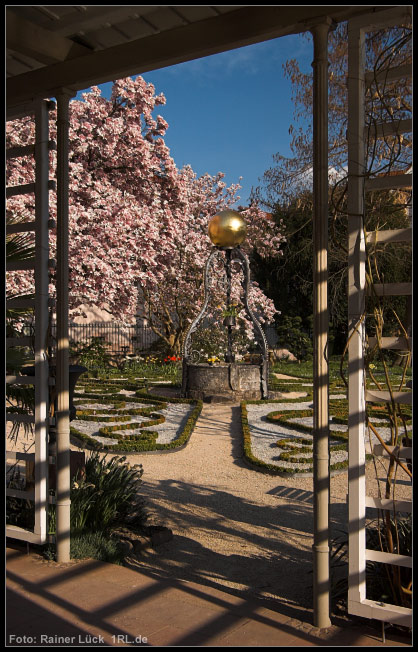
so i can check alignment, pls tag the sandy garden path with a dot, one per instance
(233, 526)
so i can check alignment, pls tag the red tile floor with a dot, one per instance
(91, 603)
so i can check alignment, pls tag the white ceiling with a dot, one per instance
(94, 28)
(50, 47)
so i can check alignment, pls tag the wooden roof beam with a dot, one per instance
(234, 29)
(23, 36)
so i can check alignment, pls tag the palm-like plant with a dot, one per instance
(20, 398)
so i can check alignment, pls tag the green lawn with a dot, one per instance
(305, 370)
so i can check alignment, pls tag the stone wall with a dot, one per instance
(223, 383)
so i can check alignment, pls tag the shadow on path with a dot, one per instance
(225, 534)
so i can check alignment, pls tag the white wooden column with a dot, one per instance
(321, 550)
(40, 265)
(41, 317)
(359, 183)
(63, 502)
(356, 303)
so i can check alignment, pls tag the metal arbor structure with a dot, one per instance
(189, 355)
(359, 183)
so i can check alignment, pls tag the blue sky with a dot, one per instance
(230, 112)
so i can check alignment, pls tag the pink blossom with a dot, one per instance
(138, 224)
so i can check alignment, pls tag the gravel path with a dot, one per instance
(233, 526)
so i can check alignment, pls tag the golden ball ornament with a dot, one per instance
(227, 229)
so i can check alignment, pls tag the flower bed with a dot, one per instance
(280, 441)
(120, 429)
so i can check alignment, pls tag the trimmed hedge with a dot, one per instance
(281, 386)
(290, 446)
(273, 469)
(143, 441)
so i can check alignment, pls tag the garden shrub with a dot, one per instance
(94, 355)
(292, 337)
(19, 511)
(96, 545)
(104, 494)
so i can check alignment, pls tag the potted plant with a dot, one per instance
(230, 314)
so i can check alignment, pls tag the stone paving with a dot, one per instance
(94, 604)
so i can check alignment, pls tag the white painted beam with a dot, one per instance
(234, 29)
(26, 150)
(16, 532)
(389, 503)
(390, 289)
(387, 18)
(384, 129)
(389, 182)
(388, 558)
(39, 43)
(388, 74)
(380, 611)
(376, 396)
(389, 235)
(399, 343)
(402, 452)
(356, 308)
(93, 17)
(16, 455)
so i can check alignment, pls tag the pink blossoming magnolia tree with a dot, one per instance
(138, 225)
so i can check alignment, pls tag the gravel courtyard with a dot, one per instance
(233, 526)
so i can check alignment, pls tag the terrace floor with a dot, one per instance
(88, 602)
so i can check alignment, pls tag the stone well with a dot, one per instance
(228, 382)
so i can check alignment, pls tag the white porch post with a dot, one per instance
(356, 306)
(63, 502)
(41, 317)
(321, 550)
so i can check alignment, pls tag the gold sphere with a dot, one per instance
(227, 229)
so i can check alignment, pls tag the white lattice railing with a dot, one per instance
(358, 396)
(36, 463)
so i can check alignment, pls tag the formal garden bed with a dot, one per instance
(119, 415)
(122, 413)
(277, 433)
(116, 412)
